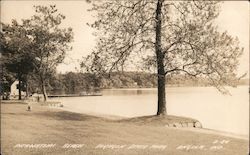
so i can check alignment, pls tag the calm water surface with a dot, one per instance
(206, 104)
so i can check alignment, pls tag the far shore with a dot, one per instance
(99, 135)
(168, 86)
(149, 88)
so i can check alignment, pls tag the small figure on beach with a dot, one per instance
(29, 108)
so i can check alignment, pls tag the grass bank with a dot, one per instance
(22, 131)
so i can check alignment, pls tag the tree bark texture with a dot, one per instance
(160, 62)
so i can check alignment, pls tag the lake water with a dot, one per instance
(206, 104)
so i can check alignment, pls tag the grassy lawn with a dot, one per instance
(100, 136)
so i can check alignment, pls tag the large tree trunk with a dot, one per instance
(44, 91)
(19, 90)
(160, 62)
(27, 89)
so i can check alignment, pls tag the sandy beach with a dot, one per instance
(45, 130)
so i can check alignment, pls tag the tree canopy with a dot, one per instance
(36, 45)
(49, 41)
(16, 54)
(172, 37)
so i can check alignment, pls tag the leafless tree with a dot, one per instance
(170, 36)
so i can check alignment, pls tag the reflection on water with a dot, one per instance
(212, 109)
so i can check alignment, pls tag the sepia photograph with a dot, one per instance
(124, 77)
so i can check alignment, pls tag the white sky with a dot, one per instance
(234, 18)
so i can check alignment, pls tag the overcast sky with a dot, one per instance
(234, 18)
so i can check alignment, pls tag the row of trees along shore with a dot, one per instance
(75, 83)
(169, 37)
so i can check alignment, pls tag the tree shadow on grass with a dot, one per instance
(65, 115)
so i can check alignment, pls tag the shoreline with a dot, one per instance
(193, 129)
(46, 125)
(201, 130)
(171, 86)
(122, 118)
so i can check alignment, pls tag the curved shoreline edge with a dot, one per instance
(175, 123)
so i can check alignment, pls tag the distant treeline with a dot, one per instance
(78, 82)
